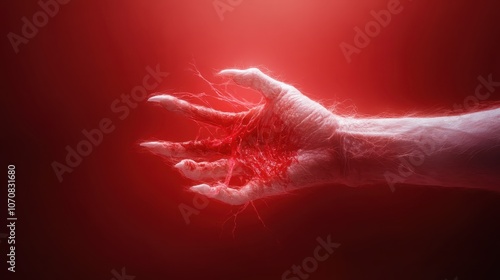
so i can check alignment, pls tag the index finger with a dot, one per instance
(255, 79)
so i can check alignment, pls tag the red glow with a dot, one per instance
(120, 206)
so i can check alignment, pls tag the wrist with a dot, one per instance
(366, 151)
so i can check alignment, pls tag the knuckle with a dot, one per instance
(254, 71)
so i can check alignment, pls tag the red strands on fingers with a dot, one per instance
(255, 79)
(207, 148)
(196, 112)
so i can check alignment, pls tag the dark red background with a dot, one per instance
(119, 208)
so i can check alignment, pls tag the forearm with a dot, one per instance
(461, 151)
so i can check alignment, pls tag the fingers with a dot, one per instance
(192, 149)
(226, 194)
(237, 196)
(255, 79)
(208, 171)
(204, 114)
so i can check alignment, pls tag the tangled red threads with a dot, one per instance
(263, 146)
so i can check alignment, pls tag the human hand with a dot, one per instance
(287, 143)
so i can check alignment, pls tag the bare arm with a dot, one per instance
(452, 151)
(290, 142)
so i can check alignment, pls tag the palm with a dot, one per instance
(285, 144)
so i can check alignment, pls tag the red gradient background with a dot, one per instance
(119, 208)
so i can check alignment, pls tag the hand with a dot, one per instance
(289, 142)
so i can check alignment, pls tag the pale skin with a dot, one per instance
(293, 142)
